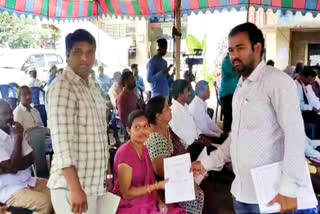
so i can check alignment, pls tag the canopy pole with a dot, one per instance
(178, 37)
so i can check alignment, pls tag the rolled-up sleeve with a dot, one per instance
(285, 101)
(62, 115)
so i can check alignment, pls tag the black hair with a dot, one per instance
(154, 106)
(79, 35)
(134, 115)
(254, 33)
(4, 103)
(22, 88)
(133, 66)
(125, 77)
(308, 72)
(270, 62)
(178, 87)
(162, 43)
(299, 68)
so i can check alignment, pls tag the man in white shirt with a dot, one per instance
(267, 126)
(198, 110)
(34, 82)
(25, 114)
(309, 102)
(183, 124)
(17, 187)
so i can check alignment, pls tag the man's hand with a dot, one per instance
(3, 210)
(79, 202)
(287, 204)
(198, 169)
(17, 129)
(205, 141)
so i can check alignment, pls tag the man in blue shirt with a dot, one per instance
(139, 80)
(229, 83)
(158, 71)
(104, 81)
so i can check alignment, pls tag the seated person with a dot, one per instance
(17, 187)
(127, 101)
(182, 122)
(198, 110)
(188, 75)
(25, 114)
(163, 143)
(134, 178)
(34, 82)
(309, 102)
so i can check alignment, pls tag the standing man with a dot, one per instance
(267, 126)
(77, 119)
(104, 81)
(139, 80)
(127, 101)
(158, 71)
(229, 81)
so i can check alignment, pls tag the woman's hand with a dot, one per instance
(162, 207)
(161, 184)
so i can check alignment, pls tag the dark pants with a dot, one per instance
(196, 148)
(226, 110)
(210, 203)
(314, 118)
(244, 208)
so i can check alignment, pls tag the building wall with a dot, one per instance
(277, 44)
(299, 44)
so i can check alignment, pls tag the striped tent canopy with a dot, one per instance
(82, 9)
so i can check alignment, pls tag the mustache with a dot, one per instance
(236, 60)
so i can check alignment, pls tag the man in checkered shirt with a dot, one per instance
(77, 119)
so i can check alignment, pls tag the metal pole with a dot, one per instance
(178, 38)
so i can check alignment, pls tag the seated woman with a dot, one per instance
(163, 143)
(134, 177)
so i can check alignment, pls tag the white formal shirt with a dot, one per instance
(28, 119)
(13, 183)
(183, 124)
(267, 127)
(311, 97)
(207, 126)
(34, 83)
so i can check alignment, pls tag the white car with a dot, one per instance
(15, 64)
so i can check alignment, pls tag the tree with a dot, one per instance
(19, 32)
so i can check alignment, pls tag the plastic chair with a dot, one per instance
(13, 101)
(5, 91)
(36, 138)
(15, 85)
(43, 113)
(37, 94)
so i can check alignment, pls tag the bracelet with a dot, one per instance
(148, 189)
(109, 176)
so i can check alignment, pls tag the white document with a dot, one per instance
(266, 180)
(108, 203)
(180, 186)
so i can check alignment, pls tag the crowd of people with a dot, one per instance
(265, 114)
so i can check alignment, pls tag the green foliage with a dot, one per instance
(18, 32)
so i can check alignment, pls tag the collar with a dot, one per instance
(24, 108)
(199, 100)
(71, 75)
(179, 105)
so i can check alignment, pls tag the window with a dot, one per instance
(52, 59)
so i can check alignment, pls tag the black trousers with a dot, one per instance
(226, 110)
(314, 118)
(196, 148)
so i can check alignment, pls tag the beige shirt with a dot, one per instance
(78, 124)
(28, 119)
